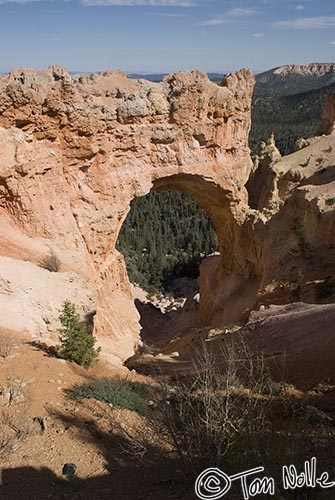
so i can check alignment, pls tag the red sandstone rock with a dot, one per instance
(76, 151)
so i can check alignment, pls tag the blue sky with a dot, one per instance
(165, 35)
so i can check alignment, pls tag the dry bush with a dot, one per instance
(14, 418)
(232, 415)
(6, 345)
(14, 428)
(217, 411)
(51, 262)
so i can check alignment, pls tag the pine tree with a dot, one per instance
(77, 344)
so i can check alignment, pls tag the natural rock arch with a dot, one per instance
(76, 151)
(229, 282)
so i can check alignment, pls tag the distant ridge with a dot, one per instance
(158, 77)
(295, 78)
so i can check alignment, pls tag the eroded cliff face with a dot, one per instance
(76, 151)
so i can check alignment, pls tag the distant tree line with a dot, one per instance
(164, 237)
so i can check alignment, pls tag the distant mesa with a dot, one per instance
(286, 79)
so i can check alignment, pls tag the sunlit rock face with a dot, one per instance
(76, 151)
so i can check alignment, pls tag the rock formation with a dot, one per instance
(76, 151)
(328, 117)
(289, 237)
(268, 154)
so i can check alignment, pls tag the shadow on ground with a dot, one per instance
(129, 476)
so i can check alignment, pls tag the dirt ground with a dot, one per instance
(47, 430)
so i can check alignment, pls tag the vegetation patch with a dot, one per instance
(330, 201)
(6, 345)
(289, 117)
(235, 416)
(51, 262)
(298, 230)
(164, 237)
(306, 163)
(120, 392)
(324, 388)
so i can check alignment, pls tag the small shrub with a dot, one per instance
(121, 393)
(330, 201)
(305, 164)
(77, 344)
(14, 428)
(14, 403)
(298, 230)
(51, 262)
(217, 413)
(329, 150)
(14, 391)
(273, 388)
(326, 288)
(319, 160)
(323, 388)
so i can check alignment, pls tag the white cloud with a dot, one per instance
(258, 35)
(213, 22)
(239, 12)
(138, 3)
(332, 43)
(308, 23)
(300, 7)
(17, 1)
(167, 14)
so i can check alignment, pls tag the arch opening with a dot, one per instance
(163, 239)
(228, 281)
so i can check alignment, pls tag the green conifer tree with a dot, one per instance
(77, 344)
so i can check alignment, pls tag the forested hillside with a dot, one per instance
(166, 235)
(289, 117)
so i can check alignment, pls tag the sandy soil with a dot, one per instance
(100, 440)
